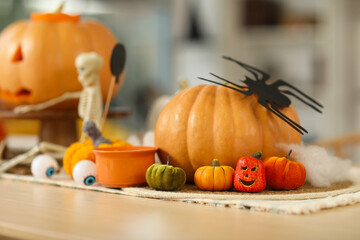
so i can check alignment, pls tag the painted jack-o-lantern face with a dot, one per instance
(37, 56)
(250, 174)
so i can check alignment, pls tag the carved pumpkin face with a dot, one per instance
(37, 57)
(250, 175)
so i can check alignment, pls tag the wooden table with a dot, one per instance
(35, 211)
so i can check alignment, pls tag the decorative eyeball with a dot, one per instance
(44, 166)
(84, 172)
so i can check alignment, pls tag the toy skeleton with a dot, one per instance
(89, 128)
(89, 108)
(43, 147)
(90, 98)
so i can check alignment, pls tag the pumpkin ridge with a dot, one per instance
(187, 123)
(214, 182)
(158, 174)
(287, 167)
(279, 168)
(214, 149)
(201, 173)
(173, 172)
(232, 122)
(224, 177)
(297, 171)
(153, 177)
(271, 165)
(167, 171)
(285, 172)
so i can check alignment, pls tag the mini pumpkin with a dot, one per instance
(165, 177)
(283, 173)
(79, 151)
(214, 177)
(37, 56)
(250, 174)
(231, 123)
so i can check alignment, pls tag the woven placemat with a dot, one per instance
(304, 200)
(305, 192)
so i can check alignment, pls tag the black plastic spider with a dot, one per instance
(270, 96)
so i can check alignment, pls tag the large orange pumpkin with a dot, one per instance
(37, 56)
(206, 122)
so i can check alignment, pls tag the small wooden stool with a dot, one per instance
(59, 126)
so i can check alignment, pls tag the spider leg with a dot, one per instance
(273, 106)
(300, 99)
(276, 111)
(247, 93)
(280, 82)
(239, 86)
(254, 71)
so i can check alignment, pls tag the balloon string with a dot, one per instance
(107, 104)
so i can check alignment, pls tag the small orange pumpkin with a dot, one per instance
(283, 173)
(207, 121)
(214, 177)
(37, 56)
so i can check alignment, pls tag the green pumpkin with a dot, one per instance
(165, 177)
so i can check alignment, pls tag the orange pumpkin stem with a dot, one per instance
(288, 156)
(55, 17)
(215, 163)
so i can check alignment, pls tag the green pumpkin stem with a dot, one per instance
(288, 156)
(168, 160)
(215, 163)
(257, 155)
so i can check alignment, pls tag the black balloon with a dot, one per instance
(117, 62)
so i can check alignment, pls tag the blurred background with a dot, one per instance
(312, 44)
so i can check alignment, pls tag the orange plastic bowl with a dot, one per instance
(123, 166)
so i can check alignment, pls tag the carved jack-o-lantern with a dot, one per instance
(250, 174)
(37, 57)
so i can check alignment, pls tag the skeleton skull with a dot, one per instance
(88, 65)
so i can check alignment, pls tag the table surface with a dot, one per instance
(37, 211)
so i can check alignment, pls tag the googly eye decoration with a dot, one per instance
(44, 166)
(84, 172)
